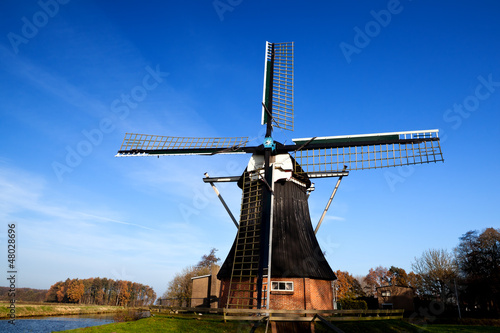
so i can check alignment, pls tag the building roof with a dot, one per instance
(393, 286)
(201, 276)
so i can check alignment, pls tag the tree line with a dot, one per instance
(468, 276)
(23, 294)
(101, 291)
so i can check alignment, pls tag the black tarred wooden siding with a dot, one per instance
(295, 250)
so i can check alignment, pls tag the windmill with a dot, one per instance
(275, 241)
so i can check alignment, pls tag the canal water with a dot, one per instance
(54, 324)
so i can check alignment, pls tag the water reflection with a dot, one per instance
(51, 324)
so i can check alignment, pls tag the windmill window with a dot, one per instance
(282, 286)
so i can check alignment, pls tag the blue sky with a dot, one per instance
(77, 75)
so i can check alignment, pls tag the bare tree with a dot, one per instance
(181, 286)
(362, 284)
(207, 260)
(438, 271)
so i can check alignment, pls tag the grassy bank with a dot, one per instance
(48, 309)
(160, 323)
(402, 326)
(165, 323)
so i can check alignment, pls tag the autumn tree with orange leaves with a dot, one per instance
(101, 291)
(123, 293)
(375, 278)
(61, 293)
(75, 291)
(347, 286)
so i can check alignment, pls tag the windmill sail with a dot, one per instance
(145, 144)
(278, 85)
(324, 155)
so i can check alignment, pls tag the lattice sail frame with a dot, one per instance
(369, 151)
(282, 84)
(145, 144)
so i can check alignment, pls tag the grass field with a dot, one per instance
(402, 326)
(165, 323)
(47, 309)
(169, 324)
(460, 328)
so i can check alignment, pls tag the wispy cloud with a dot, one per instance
(106, 219)
(18, 191)
(76, 242)
(22, 192)
(49, 82)
(334, 218)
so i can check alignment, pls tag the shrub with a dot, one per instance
(352, 304)
(130, 315)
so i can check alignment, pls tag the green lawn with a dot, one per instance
(402, 326)
(160, 323)
(375, 326)
(165, 323)
(459, 328)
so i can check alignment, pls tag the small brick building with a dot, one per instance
(206, 290)
(396, 297)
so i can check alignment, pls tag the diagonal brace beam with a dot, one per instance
(329, 201)
(222, 201)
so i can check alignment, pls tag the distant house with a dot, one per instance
(396, 297)
(206, 289)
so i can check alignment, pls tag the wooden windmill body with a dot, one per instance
(275, 261)
(293, 258)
